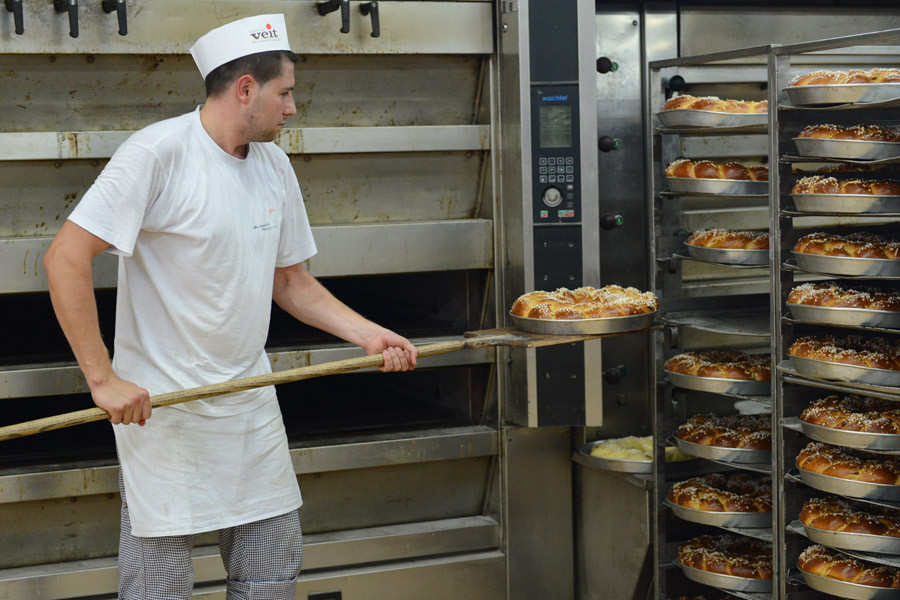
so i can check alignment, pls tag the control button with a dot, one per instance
(570, 160)
(560, 160)
(552, 178)
(565, 214)
(570, 178)
(570, 169)
(606, 143)
(551, 161)
(542, 170)
(608, 222)
(542, 160)
(560, 170)
(570, 187)
(552, 197)
(542, 179)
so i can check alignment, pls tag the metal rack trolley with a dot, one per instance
(732, 308)
(791, 388)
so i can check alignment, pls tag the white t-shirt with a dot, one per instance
(199, 234)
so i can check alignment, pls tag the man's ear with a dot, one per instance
(244, 86)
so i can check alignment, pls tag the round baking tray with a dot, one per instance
(724, 187)
(842, 372)
(729, 256)
(690, 117)
(718, 385)
(849, 487)
(842, 93)
(619, 465)
(862, 542)
(853, 149)
(845, 589)
(733, 455)
(726, 582)
(584, 326)
(847, 265)
(720, 519)
(857, 317)
(850, 204)
(861, 440)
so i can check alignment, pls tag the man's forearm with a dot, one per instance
(72, 295)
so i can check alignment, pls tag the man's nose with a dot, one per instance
(291, 108)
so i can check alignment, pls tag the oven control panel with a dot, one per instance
(554, 151)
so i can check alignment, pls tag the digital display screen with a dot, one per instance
(556, 126)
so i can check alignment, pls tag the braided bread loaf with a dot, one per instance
(716, 104)
(853, 413)
(728, 238)
(817, 184)
(869, 133)
(842, 77)
(751, 432)
(836, 514)
(706, 169)
(728, 554)
(854, 245)
(722, 365)
(841, 296)
(823, 561)
(585, 303)
(872, 353)
(846, 464)
(717, 492)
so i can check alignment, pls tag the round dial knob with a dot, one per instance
(552, 196)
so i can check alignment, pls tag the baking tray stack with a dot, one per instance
(844, 105)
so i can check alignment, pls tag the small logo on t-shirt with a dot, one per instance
(274, 220)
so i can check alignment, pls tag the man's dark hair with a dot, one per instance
(263, 66)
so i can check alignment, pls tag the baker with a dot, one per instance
(207, 218)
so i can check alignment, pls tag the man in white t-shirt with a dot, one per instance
(208, 220)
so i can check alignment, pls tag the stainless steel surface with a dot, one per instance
(846, 203)
(724, 187)
(715, 29)
(46, 379)
(852, 149)
(728, 455)
(859, 317)
(846, 265)
(471, 573)
(841, 372)
(847, 93)
(726, 582)
(538, 531)
(342, 250)
(852, 541)
(351, 453)
(718, 385)
(851, 439)
(742, 322)
(587, 326)
(619, 543)
(720, 519)
(850, 488)
(687, 117)
(845, 589)
(729, 256)
(161, 27)
(43, 145)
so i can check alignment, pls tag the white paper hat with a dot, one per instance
(262, 33)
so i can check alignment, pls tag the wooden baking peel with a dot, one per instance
(509, 336)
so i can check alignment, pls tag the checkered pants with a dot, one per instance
(262, 560)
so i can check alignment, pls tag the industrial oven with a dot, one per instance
(419, 142)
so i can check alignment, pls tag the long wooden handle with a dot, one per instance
(88, 415)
